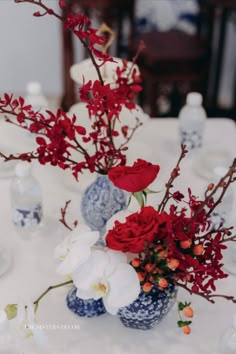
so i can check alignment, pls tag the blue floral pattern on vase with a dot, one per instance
(149, 308)
(84, 308)
(100, 202)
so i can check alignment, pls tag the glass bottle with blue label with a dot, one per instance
(192, 119)
(26, 201)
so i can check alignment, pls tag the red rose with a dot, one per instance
(132, 235)
(134, 178)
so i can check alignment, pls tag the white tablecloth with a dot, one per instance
(33, 267)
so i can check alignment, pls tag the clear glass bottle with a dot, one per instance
(228, 340)
(26, 201)
(223, 211)
(192, 119)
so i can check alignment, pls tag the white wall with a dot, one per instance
(30, 48)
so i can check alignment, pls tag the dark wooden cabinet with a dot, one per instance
(223, 10)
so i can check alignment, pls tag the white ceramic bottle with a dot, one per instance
(26, 201)
(228, 340)
(34, 96)
(192, 119)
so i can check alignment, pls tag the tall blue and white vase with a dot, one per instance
(149, 308)
(101, 200)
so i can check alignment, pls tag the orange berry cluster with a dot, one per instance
(156, 270)
(187, 312)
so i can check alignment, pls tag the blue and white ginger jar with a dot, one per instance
(149, 308)
(100, 202)
(84, 308)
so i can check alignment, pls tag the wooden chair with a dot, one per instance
(222, 11)
(177, 59)
(113, 13)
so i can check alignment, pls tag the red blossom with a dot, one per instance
(132, 236)
(134, 178)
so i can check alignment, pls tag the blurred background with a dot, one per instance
(190, 45)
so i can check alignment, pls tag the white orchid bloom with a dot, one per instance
(119, 216)
(29, 327)
(107, 275)
(3, 316)
(75, 249)
(7, 338)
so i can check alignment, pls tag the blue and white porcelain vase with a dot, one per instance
(149, 308)
(101, 200)
(84, 308)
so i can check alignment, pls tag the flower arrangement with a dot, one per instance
(172, 244)
(175, 243)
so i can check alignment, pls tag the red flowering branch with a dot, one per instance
(206, 295)
(223, 183)
(71, 24)
(224, 231)
(60, 133)
(129, 137)
(63, 217)
(174, 174)
(227, 239)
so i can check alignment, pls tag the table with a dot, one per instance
(33, 268)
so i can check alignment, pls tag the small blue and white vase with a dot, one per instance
(84, 308)
(100, 202)
(149, 308)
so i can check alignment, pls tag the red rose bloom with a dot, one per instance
(134, 178)
(131, 235)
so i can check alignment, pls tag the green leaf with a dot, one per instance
(187, 323)
(139, 197)
(11, 311)
(129, 200)
(180, 323)
(181, 306)
(149, 191)
(183, 323)
(144, 196)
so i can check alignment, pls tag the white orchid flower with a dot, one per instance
(107, 275)
(7, 339)
(28, 326)
(119, 216)
(75, 249)
(3, 316)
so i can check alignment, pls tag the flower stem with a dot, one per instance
(36, 302)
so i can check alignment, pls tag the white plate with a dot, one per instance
(212, 162)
